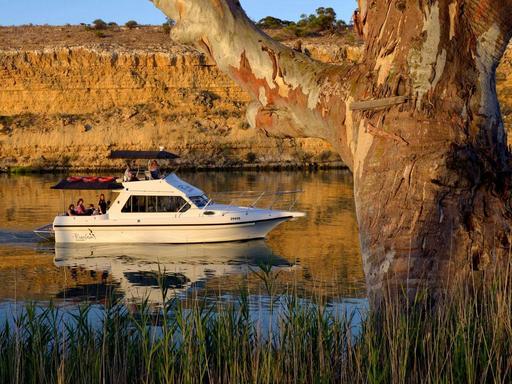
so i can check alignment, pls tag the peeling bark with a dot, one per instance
(417, 122)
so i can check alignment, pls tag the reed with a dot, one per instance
(466, 337)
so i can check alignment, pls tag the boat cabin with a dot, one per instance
(142, 191)
(168, 195)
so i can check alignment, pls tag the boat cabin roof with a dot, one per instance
(170, 184)
(81, 185)
(143, 155)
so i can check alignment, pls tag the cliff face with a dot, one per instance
(504, 86)
(68, 96)
(68, 104)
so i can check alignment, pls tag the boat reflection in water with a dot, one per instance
(140, 270)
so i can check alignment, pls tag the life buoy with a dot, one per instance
(74, 179)
(90, 179)
(107, 179)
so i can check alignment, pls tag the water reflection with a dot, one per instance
(141, 271)
(316, 256)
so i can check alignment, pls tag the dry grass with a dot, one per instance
(38, 37)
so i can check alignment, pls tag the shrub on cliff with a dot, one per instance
(131, 24)
(206, 98)
(166, 27)
(251, 157)
(324, 20)
(99, 24)
(270, 22)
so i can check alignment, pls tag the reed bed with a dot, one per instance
(464, 338)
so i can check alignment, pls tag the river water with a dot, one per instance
(316, 257)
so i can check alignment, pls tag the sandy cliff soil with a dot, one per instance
(504, 85)
(69, 96)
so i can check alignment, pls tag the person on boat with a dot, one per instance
(154, 169)
(102, 205)
(91, 211)
(71, 210)
(129, 174)
(80, 208)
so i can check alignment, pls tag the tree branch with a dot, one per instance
(293, 93)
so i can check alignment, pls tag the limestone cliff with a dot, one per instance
(504, 86)
(68, 96)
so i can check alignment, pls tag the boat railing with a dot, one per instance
(256, 197)
(210, 202)
(181, 208)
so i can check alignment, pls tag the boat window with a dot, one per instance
(199, 201)
(172, 204)
(138, 204)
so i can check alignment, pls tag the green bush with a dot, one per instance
(169, 23)
(131, 24)
(324, 20)
(251, 157)
(270, 22)
(325, 156)
(99, 24)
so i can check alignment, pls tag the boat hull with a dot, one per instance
(166, 234)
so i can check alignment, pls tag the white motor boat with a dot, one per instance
(162, 211)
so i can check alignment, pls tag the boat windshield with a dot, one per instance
(199, 201)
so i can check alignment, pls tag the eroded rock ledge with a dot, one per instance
(68, 96)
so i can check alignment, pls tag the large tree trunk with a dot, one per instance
(417, 122)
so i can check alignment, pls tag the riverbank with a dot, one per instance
(183, 168)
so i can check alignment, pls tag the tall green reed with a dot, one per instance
(465, 337)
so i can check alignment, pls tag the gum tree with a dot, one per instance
(417, 121)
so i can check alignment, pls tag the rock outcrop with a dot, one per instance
(68, 96)
(504, 86)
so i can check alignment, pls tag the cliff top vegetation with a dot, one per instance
(322, 26)
(29, 37)
(316, 24)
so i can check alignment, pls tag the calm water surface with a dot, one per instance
(315, 257)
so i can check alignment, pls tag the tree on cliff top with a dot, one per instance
(270, 22)
(99, 24)
(323, 20)
(130, 24)
(417, 121)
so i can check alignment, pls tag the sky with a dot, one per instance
(59, 12)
